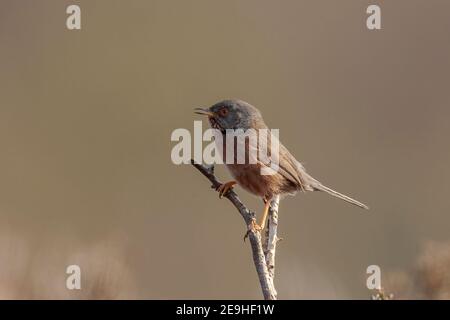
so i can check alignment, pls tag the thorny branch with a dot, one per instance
(264, 260)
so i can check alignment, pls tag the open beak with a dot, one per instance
(204, 112)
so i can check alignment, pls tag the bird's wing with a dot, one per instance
(289, 167)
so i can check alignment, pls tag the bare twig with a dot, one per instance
(270, 243)
(259, 259)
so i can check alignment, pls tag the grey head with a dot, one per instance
(233, 114)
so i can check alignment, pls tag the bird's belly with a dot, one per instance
(249, 177)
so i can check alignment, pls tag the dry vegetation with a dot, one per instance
(428, 279)
(28, 271)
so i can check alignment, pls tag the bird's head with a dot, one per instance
(232, 114)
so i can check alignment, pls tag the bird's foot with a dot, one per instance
(224, 188)
(252, 227)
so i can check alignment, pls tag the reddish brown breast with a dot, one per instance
(249, 177)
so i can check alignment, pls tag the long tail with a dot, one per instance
(320, 187)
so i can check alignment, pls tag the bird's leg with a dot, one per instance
(259, 227)
(265, 213)
(225, 187)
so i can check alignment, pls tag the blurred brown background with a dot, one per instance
(85, 123)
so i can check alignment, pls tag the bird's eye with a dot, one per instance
(223, 112)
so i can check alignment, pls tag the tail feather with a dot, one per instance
(320, 187)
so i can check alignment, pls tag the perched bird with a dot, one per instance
(290, 177)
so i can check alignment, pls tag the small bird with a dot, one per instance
(291, 175)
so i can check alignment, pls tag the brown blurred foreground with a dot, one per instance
(29, 273)
(428, 279)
